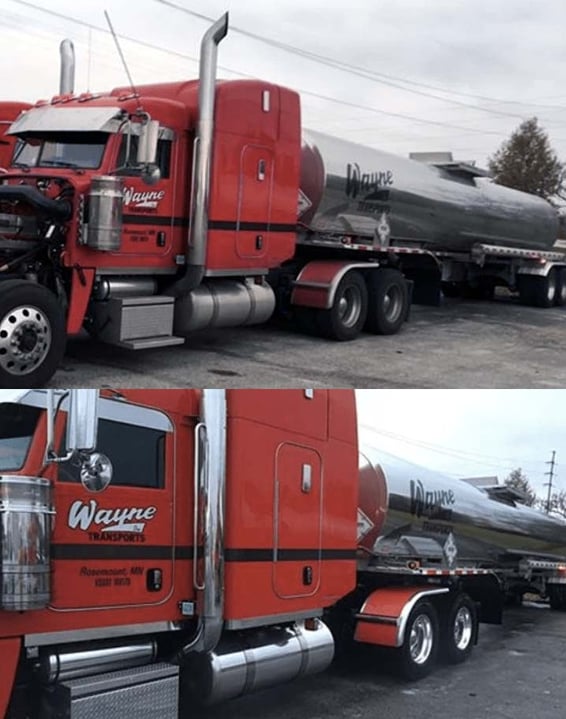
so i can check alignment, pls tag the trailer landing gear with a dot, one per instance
(32, 334)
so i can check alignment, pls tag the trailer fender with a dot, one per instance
(10, 653)
(81, 289)
(383, 617)
(318, 281)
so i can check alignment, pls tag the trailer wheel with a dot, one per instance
(460, 630)
(557, 598)
(417, 655)
(388, 302)
(560, 297)
(345, 319)
(538, 291)
(32, 334)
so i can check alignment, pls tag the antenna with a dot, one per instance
(124, 63)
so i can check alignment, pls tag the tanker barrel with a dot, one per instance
(402, 501)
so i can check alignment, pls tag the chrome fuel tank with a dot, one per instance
(399, 499)
(347, 188)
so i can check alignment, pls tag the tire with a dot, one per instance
(460, 630)
(417, 657)
(345, 319)
(557, 598)
(538, 291)
(32, 334)
(388, 302)
(305, 320)
(560, 297)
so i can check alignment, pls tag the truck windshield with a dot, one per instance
(82, 150)
(17, 426)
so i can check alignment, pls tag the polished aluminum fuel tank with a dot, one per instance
(347, 188)
(487, 525)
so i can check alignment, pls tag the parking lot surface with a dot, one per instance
(459, 344)
(517, 671)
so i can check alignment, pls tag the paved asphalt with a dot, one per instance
(517, 671)
(460, 344)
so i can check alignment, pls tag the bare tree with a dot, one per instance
(557, 503)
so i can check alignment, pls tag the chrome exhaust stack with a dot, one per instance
(202, 156)
(67, 72)
(212, 491)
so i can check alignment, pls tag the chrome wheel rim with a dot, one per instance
(25, 340)
(463, 626)
(550, 286)
(421, 639)
(393, 303)
(350, 306)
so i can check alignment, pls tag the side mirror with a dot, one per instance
(147, 144)
(151, 174)
(82, 422)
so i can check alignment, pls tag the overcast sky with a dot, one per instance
(470, 433)
(505, 56)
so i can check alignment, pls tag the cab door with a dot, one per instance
(254, 202)
(114, 545)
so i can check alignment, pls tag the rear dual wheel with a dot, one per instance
(459, 633)
(541, 291)
(345, 319)
(451, 634)
(377, 304)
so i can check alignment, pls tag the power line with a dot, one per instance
(473, 457)
(381, 78)
(371, 75)
(326, 98)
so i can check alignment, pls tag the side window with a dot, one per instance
(137, 455)
(126, 165)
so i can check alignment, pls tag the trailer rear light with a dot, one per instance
(562, 570)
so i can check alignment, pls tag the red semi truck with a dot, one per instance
(162, 547)
(9, 111)
(145, 214)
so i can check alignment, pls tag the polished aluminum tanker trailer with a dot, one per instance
(352, 189)
(446, 225)
(412, 517)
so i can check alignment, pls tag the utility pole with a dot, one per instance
(548, 484)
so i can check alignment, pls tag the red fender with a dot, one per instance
(316, 283)
(81, 289)
(10, 653)
(383, 617)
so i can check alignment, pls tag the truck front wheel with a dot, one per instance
(32, 334)
(417, 655)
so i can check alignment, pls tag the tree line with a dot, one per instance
(520, 482)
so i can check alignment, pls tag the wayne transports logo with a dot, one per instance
(121, 519)
(148, 200)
